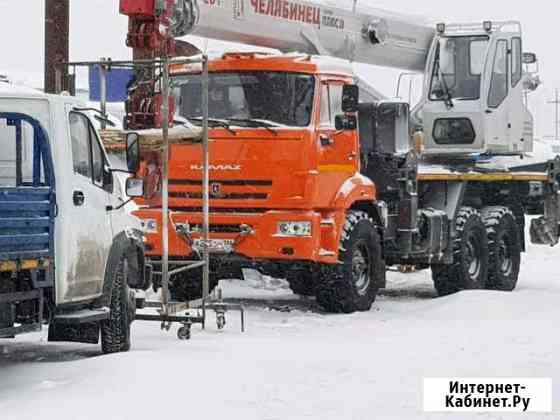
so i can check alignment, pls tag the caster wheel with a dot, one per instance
(221, 321)
(184, 333)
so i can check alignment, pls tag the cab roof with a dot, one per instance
(8, 89)
(255, 61)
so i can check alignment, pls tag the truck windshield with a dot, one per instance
(273, 98)
(459, 63)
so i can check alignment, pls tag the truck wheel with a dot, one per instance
(115, 332)
(470, 256)
(505, 248)
(302, 282)
(352, 285)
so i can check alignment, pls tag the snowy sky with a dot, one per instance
(98, 30)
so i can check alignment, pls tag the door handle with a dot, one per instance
(79, 198)
(325, 140)
(489, 111)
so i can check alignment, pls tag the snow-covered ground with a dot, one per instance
(301, 364)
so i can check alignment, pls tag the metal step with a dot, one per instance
(83, 317)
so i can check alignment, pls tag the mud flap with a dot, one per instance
(139, 274)
(83, 333)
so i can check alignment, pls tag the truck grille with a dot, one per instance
(237, 189)
(249, 210)
(234, 182)
(225, 196)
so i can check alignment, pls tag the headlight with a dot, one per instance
(150, 225)
(453, 131)
(294, 228)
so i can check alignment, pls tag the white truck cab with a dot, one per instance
(87, 253)
(473, 91)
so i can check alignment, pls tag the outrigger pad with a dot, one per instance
(83, 333)
(543, 233)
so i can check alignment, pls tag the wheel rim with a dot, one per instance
(361, 269)
(504, 256)
(472, 258)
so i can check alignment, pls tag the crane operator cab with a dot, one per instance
(473, 100)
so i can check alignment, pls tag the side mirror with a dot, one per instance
(133, 152)
(345, 122)
(529, 58)
(135, 187)
(350, 98)
(392, 128)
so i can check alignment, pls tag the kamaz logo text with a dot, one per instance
(216, 190)
(217, 167)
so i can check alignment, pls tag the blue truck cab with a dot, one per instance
(71, 254)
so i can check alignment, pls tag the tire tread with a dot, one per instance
(115, 332)
(447, 278)
(334, 293)
(494, 217)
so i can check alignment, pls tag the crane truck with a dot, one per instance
(315, 180)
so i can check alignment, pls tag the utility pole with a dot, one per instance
(556, 103)
(57, 44)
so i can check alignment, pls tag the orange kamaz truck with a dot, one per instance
(284, 179)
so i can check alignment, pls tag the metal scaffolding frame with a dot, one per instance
(168, 310)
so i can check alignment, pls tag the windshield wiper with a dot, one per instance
(213, 122)
(253, 122)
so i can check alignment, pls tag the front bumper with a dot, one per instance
(261, 242)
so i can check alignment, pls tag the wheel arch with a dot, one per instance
(354, 189)
(127, 244)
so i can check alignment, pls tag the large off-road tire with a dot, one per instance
(504, 245)
(353, 284)
(470, 256)
(302, 282)
(115, 332)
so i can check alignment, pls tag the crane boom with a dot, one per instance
(368, 36)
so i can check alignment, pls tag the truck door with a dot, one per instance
(517, 110)
(90, 236)
(498, 102)
(338, 150)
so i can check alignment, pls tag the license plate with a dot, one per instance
(222, 246)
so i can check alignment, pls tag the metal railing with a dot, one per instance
(168, 310)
